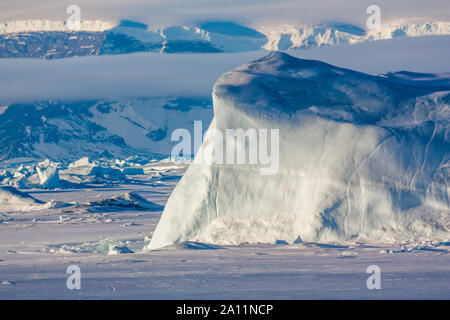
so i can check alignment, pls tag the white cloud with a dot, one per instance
(118, 76)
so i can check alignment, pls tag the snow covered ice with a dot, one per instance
(361, 157)
(127, 201)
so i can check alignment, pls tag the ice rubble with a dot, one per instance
(52, 175)
(48, 175)
(113, 250)
(104, 246)
(43, 175)
(125, 201)
(12, 199)
(83, 167)
(85, 173)
(361, 156)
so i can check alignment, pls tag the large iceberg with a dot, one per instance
(360, 157)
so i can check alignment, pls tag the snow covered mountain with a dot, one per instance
(207, 37)
(52, 39)
(66, 131)
(300, 37)
(360, 157)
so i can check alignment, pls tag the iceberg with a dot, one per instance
(361, 157)
(48, 175)
(12, 200)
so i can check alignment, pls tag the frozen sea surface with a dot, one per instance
(37, 247)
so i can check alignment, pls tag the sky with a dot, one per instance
(254, 13)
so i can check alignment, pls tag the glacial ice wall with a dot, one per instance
(360, 157)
